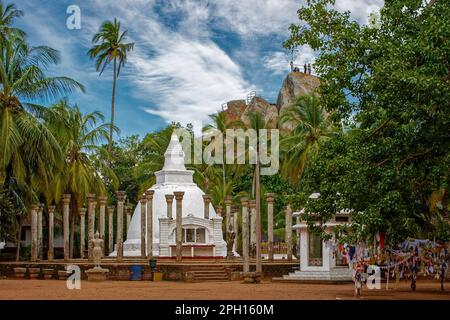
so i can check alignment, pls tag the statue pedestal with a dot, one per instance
(252, 277)
(97, 274)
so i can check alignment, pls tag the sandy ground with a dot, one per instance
(166, 290)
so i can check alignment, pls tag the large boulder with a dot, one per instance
(234, 110)
(268, 111)
(296, 83)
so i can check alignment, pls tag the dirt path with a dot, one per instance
(54, 289)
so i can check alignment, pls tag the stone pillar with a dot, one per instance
(82, 232)
(206, 202)
(120, 200)
(102, 203)
(34, 232)
(143, 202)
(169, 200)
(252, 205)
(66, 227)
(270, 198)
(149, 197)
(219, 211)
(228, 201)
(288, 231)
(235, 214)
(128, 208)
(39, 231)
(110, 228)
(51, 233)
(245, 239)
(179, 231)
(91, 221)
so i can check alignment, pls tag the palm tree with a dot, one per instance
(311, 127)
(111, 47)
(79, 136)
(220, 124)
(8, 13)
(25, 140)
(28, 150)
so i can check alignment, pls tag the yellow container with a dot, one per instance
(157, 276)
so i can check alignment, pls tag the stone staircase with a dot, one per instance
(336, 275)
(209, 273)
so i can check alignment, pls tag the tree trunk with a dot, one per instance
(111, 126)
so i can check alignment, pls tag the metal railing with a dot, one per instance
(250, 96)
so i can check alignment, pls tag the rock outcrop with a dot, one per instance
(235, 109)
(295, 84)
(268, 111)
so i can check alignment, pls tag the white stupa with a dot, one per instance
(201, 237)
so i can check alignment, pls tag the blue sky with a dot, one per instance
(189, 57)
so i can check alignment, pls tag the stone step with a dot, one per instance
(209, 273)
(211, 279)
(204, 273)
(205, 267)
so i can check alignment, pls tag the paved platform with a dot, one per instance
(231, 290)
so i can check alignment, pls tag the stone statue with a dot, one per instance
(230, 242)
(97, 245)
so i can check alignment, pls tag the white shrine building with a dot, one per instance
(202, 237)
(318, 262)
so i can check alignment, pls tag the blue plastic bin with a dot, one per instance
(136, 273)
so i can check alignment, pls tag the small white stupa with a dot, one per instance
(201, 237)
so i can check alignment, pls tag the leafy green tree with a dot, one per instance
(111, 47)
(389, 83)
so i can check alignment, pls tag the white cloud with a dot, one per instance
(191, 80)
(181, 74)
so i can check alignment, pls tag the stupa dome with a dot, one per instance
(173, 177)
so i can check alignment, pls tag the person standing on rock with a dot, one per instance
(309, 68)
(304, 68)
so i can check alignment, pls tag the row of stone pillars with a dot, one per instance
(36, 226)
(249, 231)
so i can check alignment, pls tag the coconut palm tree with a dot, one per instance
(8, 13)
(29, 152)
(25, 141)
(79, 136)
(111, 47)
(311, 127)
(220, 124)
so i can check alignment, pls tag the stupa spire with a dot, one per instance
(174, 155)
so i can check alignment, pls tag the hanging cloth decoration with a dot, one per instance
(351, 252)
(382, 238)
